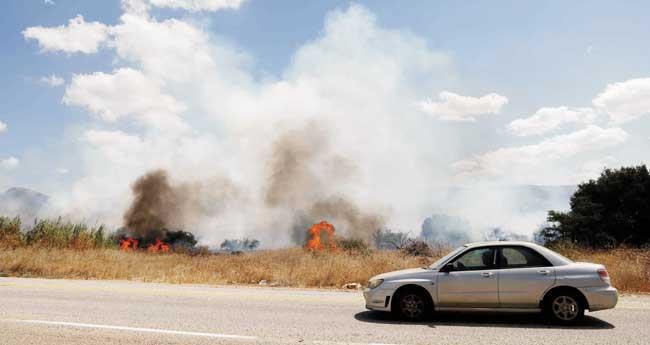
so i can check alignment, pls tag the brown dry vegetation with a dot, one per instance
(59, 249)
(286, 267)
(629, 268)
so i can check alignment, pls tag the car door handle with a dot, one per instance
(544, 272)
(487, 274)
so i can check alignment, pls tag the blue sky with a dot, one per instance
(527, 55)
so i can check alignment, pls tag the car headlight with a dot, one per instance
(374, 283)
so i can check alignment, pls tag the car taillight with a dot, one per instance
(602, 273)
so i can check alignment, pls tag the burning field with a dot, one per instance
(304, 181)
(292, 267)
(327, 238)
(57, 249)
(150, 246)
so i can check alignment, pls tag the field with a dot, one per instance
(629, 268)
(61, 250)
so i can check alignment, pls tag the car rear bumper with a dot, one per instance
(377, 299)
(601, 297)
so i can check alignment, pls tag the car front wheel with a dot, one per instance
(411, 305)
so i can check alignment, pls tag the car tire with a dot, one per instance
(412, 305)
(564, 307)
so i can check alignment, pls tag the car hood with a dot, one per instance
(404, 274)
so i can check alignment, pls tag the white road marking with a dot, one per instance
(138, 329)
(347, 343)
(166, 331)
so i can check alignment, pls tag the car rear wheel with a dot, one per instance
(564, 307)
(411, 305)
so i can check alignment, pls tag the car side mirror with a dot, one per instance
(447, 268)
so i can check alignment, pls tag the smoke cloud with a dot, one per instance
(308, 178)
(335, 135)
(158, 205)
(305, 180)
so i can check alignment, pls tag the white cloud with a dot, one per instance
(9, 163)
(548, 118)
(136, 7)
(525, 164)
(455, 107)
(198, 5)
(77, 37)
(625, 101)
(52, 80)
(3, 127)
(114, 145)
(49, 2)
(141, 8)
(168, 50)
(125, 93)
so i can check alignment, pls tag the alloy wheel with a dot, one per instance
(565, 308)
(412, 306)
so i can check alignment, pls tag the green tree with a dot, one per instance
(609, 211)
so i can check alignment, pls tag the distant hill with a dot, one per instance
(23, 202)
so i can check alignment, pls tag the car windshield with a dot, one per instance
(446, 257)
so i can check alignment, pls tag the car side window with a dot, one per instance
(475, 259)
(519, 257)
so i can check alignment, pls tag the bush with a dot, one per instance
(239, 245)
(354, 246)
(59, 234)
(10, 233)
(417, 247)
(387, 239)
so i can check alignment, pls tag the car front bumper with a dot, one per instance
(601, 297)
(378, 298)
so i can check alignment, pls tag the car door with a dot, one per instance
(524, 275)
(472, 283)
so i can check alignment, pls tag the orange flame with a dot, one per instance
(158, 247)
(128, 244)
(316, 241)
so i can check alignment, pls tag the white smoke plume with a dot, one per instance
(359, 149)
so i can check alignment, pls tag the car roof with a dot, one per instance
(555, 258)
(500, 243)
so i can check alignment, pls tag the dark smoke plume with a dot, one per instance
(158, 205)
(360, 224)
(291, 178)
(308, 178)
(155, 203)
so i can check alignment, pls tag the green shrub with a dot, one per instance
(64, 234)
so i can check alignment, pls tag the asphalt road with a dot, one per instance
(37, 311)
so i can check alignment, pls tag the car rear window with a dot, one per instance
(519, 257)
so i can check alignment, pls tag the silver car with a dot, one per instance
(495, 276)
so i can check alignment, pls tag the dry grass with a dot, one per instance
(629, 268)
(286, 267)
